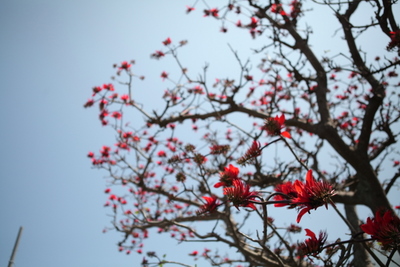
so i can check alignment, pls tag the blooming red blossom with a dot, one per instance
(123, 145)
(227, 177)
(124, 98)
(102, 103)
(288, 191)
(252, 152)
(89, 103)
(164, 75)
(197, 90)
(240, 195)
(105, 151)
(295, 8)
(248, 77)
(312, 194)
(254, 23)
(189, 9)
(273, 126)
(108, 87)
(158, 54)
(213, 12)
(312, 246)
(394, 40)
(277, 8)
(210, 206)
(305, 196)
(385, 228)
(124, 65)
(167, 41)
(96, 89)
(194, 253)
(116, 115)
(161, 153)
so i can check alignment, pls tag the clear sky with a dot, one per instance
(52, 53)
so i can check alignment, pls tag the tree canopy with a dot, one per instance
(298, 129)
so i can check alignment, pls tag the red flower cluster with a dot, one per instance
(167, 41)
(295, 8)
(313, 245)
(385, 228)
(273, 126)
(158, 54)
(189, 9)
(278, 9)
(394, 40)
(227, 177)
(124, 66)
(211, 12)
(305, 196)
(210, 206)
(240, 195)
(253, 152)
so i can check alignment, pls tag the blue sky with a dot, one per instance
(52, 53)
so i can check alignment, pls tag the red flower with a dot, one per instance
(123, 146)
(164, 75)
(385, 228)
(158, 54)
(305, 196)
(248, 77)
(116, 115)
(167, 41)
(227, 177)
(277, 8)
(295, 8)
(194, 253)
(312, 194)
(273, 126)
(89, 103)
(189, 9)
(289, 193)
(213, 12)
(108, 87)
(252, 152)
(239, 194)
(210, 206)
(312, 246)
(253, 24)
(161, 153)
(124, 98)
(124, 65)
(394, 40)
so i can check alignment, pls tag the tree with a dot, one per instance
(336, 114)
